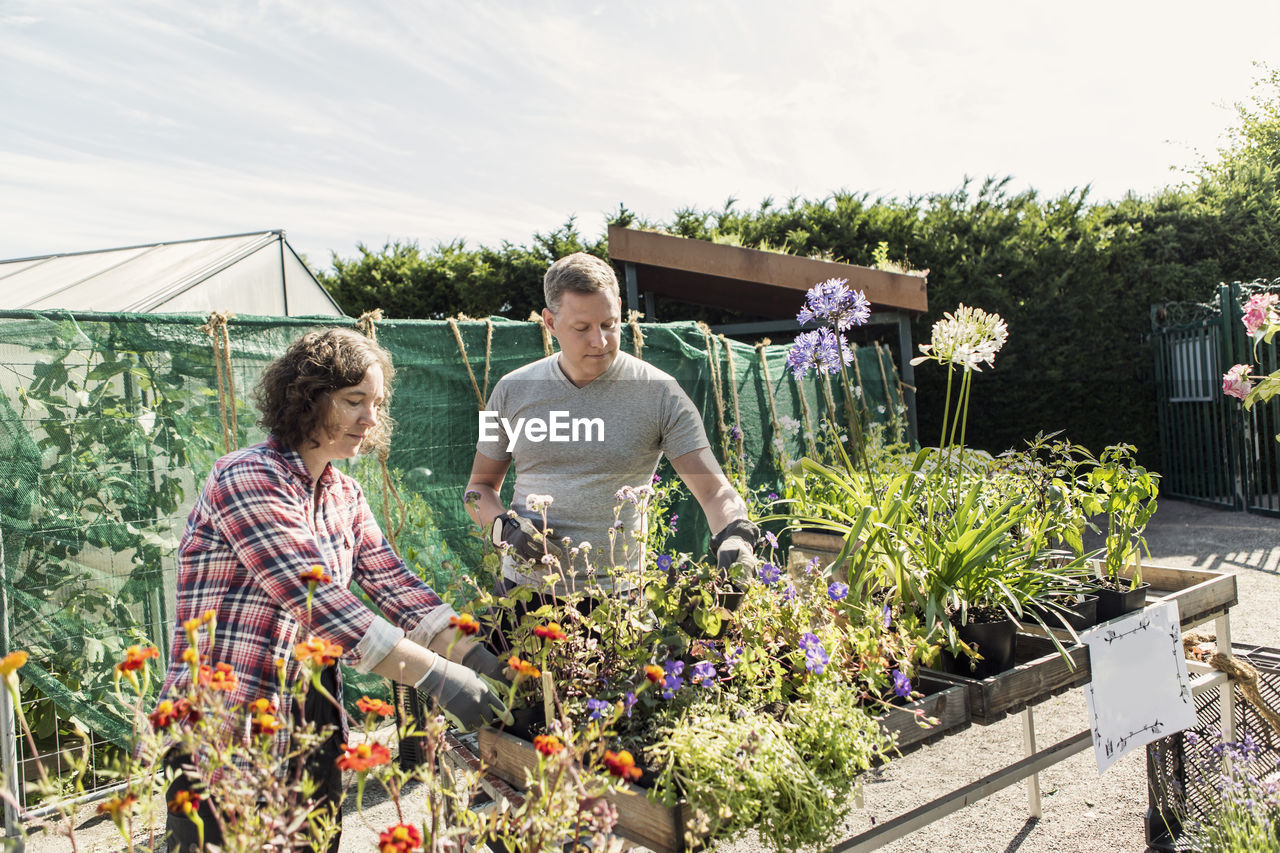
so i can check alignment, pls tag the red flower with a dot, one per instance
(135, 657)
(169, 711)
(375, 706)
(266, 724)
(549, 632)
(221, 678)
(315, 574)
(523, 667)
(363, 756)
(547, 744)
(655, 673)
(401, 838)
(322, 652)
(621, 764)
(466, 624)
(184, 802)
(117, 807)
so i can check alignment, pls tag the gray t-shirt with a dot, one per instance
(581, 445)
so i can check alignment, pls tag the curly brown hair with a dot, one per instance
(295, 391)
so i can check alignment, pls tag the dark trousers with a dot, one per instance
(321, 765)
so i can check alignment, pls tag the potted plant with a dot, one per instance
(1125, 493)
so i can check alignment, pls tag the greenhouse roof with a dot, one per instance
(254, 273)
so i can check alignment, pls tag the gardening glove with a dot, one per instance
(525, 536)
(736, 544)
(461, 694)
(469, 653)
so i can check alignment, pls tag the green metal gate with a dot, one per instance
(1212, 451)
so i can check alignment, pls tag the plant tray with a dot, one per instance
(1040, 671)
(662, 828)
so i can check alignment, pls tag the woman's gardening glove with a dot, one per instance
(736, 545)
(525, 536)
(470, 654)
(461, 694)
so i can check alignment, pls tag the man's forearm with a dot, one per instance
(484, 508)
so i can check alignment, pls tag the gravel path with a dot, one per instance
(1083, 813)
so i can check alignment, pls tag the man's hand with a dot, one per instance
(525, 536)
(736, 544)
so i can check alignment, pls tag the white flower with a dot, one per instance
(789, 424)
(82, 398)
(147, 420)
(968, 338)
(779, 443)
(538, 503)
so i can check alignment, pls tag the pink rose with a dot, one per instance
(1260, 311)
(1235, 382)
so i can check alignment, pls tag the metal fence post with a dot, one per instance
(8, 721)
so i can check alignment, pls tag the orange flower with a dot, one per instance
(209, 616)
(266, 724)
(315, 574)
(184, 802)
(375, 706)
(523, 667)
(655, 673)
(168, 711)
(262, 705)
(116, 807)
(466, 624)
(363, 756)
(223, 677)
(321, 652)
(192, 625)
(547, 744)
(135, 657)
(401, 838)
(621, 764)
(190, 656)
(549, 632)
(12, 662)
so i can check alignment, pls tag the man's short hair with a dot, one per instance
(580, 273)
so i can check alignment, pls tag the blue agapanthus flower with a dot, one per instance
(822, 349)
(597, 707)
(769, 573)
(831, 301)
(838, 591)
(901, 684)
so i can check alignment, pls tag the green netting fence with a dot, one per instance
(109, 424)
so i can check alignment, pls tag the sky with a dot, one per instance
(343, 122)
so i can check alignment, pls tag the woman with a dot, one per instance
(270, 513)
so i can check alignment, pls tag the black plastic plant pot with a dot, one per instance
(1080, 613)
(995, 641)
(731, 599)
(1117, 602)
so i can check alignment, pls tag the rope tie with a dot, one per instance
(364, 325)
(714, 364)
(637, 336)
(1197, 645)
(466, 362)
(216, 329)
(733, 393)
(536, 317)
(768, 386)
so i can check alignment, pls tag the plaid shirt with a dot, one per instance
(249, 537)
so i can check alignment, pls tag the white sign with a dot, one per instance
(1139, 689)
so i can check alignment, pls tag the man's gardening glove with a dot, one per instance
(461, 694)
(525, 537)
(736, 544)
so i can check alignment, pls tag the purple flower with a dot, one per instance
(838, 590)
(789, 594)
(597, 707)
(673, 681)
(664, 561)
(657, 478)
(835, 303)
(811, 566)
(704, 672)
(769, 573)
(628, 702)
(822, 349)
(773, 496)
(735, 433)
(888, 617)
(901, 684)
(771, 539)
(815, 656)
(731, 658)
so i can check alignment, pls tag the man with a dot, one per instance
(580, 425)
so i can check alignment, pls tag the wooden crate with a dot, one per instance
(1201, 594)
(662, 828)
